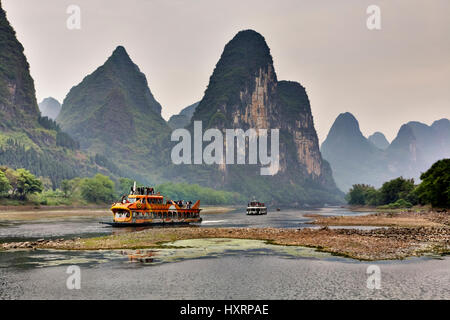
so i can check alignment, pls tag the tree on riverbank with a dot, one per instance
(5, 186)
(399, 193)
(99, 189)
(27, 184)
(435, 186)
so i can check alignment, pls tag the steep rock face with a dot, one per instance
(244, 93)
(50, 107)
(379, 140)
(112, 112)
(297, 120)
(18, 104)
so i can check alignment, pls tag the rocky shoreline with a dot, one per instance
(403, 235)
(378, 244)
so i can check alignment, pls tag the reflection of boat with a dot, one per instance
(256, 208)
(144, 207)
(141, 256)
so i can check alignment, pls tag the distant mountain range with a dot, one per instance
(50, 107)
(182, 119)
(113, 113)
(356, 159)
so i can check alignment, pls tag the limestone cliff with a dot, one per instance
(244, 93)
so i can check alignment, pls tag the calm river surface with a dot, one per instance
(207, 268)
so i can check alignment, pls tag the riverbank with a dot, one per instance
(378, 244)
(386, 219)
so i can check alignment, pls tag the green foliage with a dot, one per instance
(400, 203)
(124, 186)
(106, 163)
(393, 194)
(48, 123)
(194, 192)
(20, 106)
(435, 186)
(402, 193)
(66, 141)
(5, 186)
(50, 198)
(41, 164)
(99, 189)
(362, 194)
(396, 189)
(27, 183)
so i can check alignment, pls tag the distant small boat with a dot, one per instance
(256, 208)
(278, 209)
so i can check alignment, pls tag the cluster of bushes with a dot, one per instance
(194, 192)
(18, 184)
(23, 186)
(400, 193)
(185, 191)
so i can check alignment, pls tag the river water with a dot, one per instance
(207, 268)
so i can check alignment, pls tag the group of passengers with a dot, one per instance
(142, 191)
(182, 204)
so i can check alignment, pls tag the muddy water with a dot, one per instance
(207, 268)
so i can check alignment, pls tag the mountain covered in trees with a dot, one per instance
(244, 93)
(182, 119)
(113, 113)
(50, 108)
(358, 160)
(28, 140)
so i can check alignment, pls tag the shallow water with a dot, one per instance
(208, 268)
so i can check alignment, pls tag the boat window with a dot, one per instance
(132, 200)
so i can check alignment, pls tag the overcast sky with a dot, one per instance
(384, 77)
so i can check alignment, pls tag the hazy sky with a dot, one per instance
(384, 77)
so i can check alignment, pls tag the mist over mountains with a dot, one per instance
(356, 159)
(111, 123)
(50, 107)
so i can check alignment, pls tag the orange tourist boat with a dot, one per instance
(144, 207)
